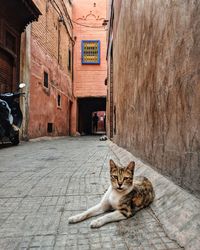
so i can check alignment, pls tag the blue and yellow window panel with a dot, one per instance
(90, 52)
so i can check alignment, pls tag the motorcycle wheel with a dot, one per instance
(15, 139)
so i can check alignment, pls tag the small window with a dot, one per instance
(115, 122)
(46, 79)
(49, 127)
(69, 60)
(90, 52)
(59, 101)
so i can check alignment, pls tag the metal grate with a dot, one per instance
(91, 52)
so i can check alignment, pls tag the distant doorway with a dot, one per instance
(87, 108)
(98, 122)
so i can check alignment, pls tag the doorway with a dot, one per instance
(99, 124)
(87, 107)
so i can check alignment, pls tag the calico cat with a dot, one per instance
(124, 197)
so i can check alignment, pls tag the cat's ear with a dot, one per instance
(131, 167)
(112, 165)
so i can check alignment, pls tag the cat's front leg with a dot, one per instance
(93, 211)
(110, 217)
(102, 207)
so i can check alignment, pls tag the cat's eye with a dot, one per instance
(127, 178)
(114, 177)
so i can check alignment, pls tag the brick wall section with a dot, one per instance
(50, 43)
(157, 86)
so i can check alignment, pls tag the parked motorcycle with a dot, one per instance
(10, 116)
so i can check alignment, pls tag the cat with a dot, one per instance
(125, 196)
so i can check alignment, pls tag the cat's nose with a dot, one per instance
(120, 184)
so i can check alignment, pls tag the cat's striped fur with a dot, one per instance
(126, 195)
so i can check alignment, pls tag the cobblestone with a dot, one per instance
(42, 183)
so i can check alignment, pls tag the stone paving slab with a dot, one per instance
(44, 182)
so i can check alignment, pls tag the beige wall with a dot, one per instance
(157, 85)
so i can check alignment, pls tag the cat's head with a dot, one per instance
(121, 177)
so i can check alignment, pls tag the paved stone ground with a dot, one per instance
(44, 182)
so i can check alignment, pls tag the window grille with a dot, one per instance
(91, 52)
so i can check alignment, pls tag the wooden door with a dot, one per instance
(6, 72)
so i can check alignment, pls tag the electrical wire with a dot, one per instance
(84, 25)
(58, 10)
(68, 16)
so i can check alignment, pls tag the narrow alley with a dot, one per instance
(83, 82)
(44, 182)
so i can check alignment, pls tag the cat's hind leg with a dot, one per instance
(110, 217)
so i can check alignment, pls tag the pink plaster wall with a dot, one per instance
(50, 43)
(89, 79)
(43, 101)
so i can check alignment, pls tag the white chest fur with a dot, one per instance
(114, 198)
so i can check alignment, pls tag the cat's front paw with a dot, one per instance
(96, 223)
(74, 219)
